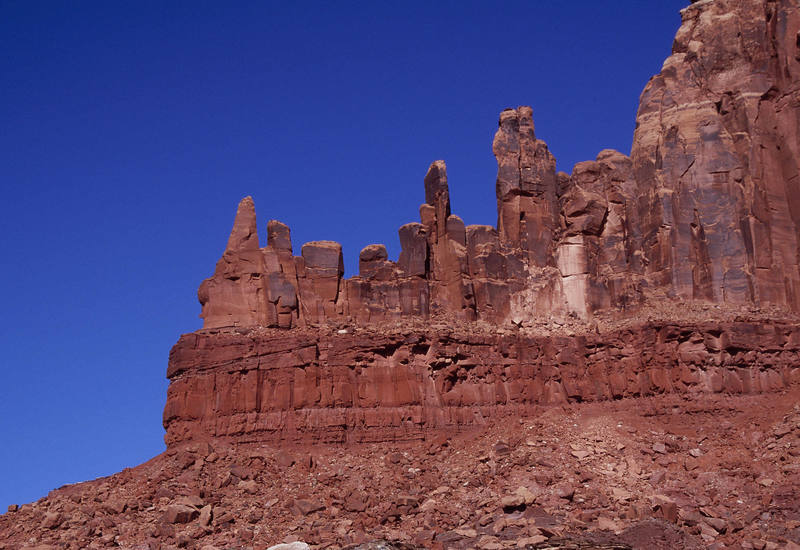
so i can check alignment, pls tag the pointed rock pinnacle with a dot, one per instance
(244, 235)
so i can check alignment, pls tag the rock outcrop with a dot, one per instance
(706, 208)
(605, 344)
(400, 384)
(716, 153)
(704, 213)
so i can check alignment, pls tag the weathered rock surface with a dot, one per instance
(237, 295)
(706, 208)
(622, 350)
(716, 153)
(398, 384)
(705, 213)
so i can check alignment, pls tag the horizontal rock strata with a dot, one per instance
(705, 212)
(312, 386)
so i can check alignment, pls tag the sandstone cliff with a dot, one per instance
(716, 153)
(700, 224)
(645, 296)
(399, 384)
(706, 208)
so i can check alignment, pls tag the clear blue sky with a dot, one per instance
(130, 130)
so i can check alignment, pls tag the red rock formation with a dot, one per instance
(448, 271)
(716, 154)
(236, 295)
(599, 254)
(527, 207)
(707, 209)
(470, 327)
(398, 384)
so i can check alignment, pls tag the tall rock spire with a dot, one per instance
(235, 295)
(451, 290)
(244, 235)
(527, 209)
(437, 193)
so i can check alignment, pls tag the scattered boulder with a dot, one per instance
(206, 515)
(180, 513)
(52, 520)
(306, 506)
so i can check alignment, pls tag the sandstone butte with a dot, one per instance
(471, 382)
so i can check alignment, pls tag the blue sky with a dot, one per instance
(131, 131)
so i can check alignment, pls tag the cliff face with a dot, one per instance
(707, 207)
(643, 295)
(398, 385)
(716, 154)
(705, 213)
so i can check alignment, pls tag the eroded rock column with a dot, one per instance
(526, 187)
(235, 294)
(450, 285)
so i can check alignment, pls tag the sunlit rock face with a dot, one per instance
(716, 152)
(705, 213)
(401, 383)
(706, 208)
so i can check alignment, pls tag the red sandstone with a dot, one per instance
(616, 364)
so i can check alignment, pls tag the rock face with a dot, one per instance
(651, 298)
(707, 208)
(398, 385)
(236, 294)
(527, 206)
(716, 154)
(704, 213)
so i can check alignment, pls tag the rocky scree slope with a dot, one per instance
(661, 472)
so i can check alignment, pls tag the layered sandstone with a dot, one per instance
(399, 384)
(704, 213)
(706, 208)
(651, 297)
